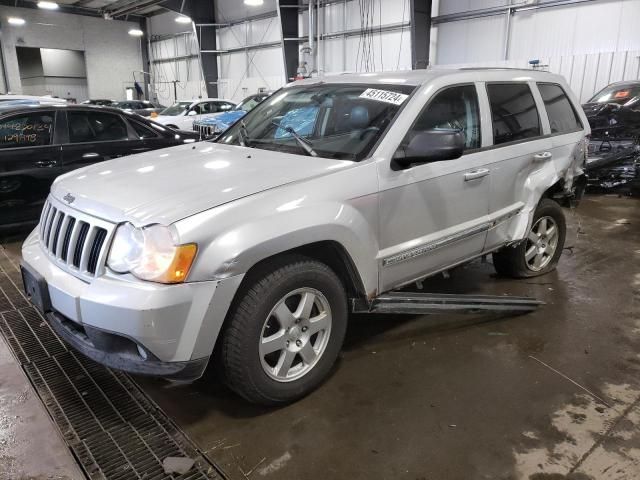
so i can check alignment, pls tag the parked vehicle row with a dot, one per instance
(213, 125)
(40, 142)
(330, 193)
(181, 115)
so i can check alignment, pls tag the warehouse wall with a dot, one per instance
(174, 56)
(591, 44)
(244, 72)
(111, 55)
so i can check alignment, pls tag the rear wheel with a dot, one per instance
(285, 333)
(540, 251)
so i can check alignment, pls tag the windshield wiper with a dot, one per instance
(305, 144)
(243, 136)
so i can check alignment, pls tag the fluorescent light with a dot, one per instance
(134, 32)
(48, 5)
(183, 19)
(15, 21)
(253, 3)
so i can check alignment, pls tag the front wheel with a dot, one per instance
(285, 332)
(540, 251)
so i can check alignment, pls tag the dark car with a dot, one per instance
(40, 142)
(614, 148)
(141, 107)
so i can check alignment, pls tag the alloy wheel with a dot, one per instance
(295, 334)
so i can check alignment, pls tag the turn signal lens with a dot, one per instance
(154, 114)
(181, 264)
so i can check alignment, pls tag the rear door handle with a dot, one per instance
(474, 174)
(540, 157)
(90, 155)
(46, 163)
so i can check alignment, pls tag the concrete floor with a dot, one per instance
(30, 445)
(544, 396)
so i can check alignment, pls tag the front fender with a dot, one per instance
(244, 243)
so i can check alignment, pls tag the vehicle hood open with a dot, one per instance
(167, 185)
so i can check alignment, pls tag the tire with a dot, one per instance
(271, 306)
(518, 262)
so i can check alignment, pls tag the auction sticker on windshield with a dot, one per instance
(384, 96)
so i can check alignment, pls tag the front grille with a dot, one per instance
(73, 240)
(205, 131)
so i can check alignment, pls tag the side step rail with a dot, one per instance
(426, 303)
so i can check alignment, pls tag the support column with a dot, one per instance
(288, 15)
(420, 33)
(202, 12)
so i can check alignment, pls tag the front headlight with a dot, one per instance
(150, 253)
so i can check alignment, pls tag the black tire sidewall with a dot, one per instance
(303, 274)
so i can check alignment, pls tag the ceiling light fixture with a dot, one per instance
(254, 3)
(183, 19)
(134, 32)
(16, 21)
(48, 5)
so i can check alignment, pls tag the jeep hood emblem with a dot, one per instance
(69, 198)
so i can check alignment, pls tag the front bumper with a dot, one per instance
(121, 353)
(140, 327)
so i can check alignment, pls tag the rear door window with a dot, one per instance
(28, 130)
(142, 131)
(513, 111)
(95, 127)
(562, 117)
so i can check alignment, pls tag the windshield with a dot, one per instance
(176, 109)
(341, 121)
(249, 103)
(620, 94)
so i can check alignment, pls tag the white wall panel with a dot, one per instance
(474, 40)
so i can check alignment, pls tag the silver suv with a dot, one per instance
(251, 250)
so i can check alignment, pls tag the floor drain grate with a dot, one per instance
(114, 430)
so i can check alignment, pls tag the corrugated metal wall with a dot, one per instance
(591, 44)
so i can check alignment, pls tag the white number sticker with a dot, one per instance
(384, 96)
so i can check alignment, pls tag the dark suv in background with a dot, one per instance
(39, 143)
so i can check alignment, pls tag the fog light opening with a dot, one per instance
(142, 352)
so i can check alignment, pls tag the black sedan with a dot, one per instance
(40, 142)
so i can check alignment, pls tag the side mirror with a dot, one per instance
(191, 113)
(431, 146)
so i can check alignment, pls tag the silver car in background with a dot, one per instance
(248, 252)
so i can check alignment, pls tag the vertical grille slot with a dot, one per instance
(96, 248)
(77, 251)
(50, 218)
(56, 233)
(67, 239)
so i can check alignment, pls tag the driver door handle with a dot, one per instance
(477, 173)
(90, 155)
(540, 157)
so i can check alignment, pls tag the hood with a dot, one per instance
(164, 186)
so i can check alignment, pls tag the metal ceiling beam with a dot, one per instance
(420, 33)
(133, 7)
(72, 9)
